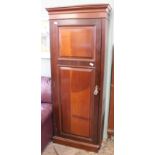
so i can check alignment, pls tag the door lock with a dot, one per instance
(96, 91)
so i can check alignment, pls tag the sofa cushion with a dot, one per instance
(46, 111)
(45, 89)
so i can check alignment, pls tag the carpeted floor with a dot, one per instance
(107, 148)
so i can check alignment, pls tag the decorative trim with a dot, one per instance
(77, 144)
(80, 7)
(84, 11)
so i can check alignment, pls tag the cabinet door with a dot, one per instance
(75, 55)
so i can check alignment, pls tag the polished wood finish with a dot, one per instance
(80, 16)
(77, 61)
(80, 8)
(81, 11)
(76, 41)
(75, 92)
(73, 143)
(111, 109)
(75, 79)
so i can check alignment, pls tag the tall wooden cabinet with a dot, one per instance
(78, 39)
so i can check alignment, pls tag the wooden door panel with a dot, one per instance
(75, 100)
(77, 42)
(76, 71)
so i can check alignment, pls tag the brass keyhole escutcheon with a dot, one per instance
(96, 91)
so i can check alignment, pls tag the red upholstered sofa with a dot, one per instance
(46, 112)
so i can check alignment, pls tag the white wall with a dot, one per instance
(45, 67)
(45, 64)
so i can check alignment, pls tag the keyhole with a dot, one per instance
(91, 64)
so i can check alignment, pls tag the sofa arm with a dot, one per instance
(45, 89)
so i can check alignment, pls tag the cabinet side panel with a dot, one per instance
(104, 40)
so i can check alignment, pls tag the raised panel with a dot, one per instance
(77, 41)
(76, 100)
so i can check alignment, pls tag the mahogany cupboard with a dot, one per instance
(78, 39)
